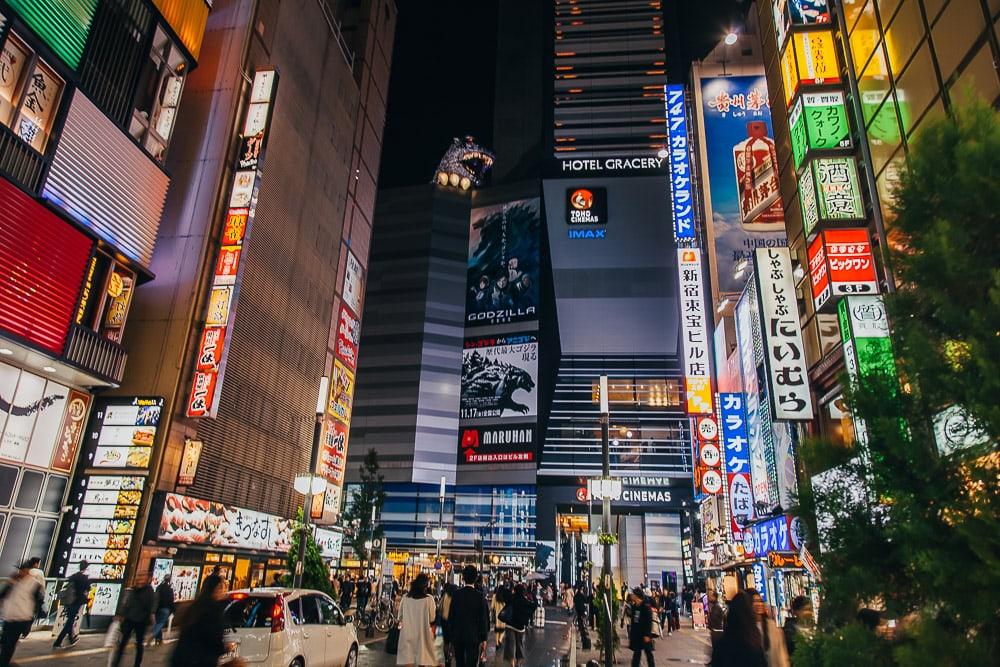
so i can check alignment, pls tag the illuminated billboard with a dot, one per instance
(809, 58)
(503, 262)
(678, 152)
(499, 377)
(743, 208)
(694, 329)
(818, 121)
(841, 263)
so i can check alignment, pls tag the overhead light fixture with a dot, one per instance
(799, 272)
(439, 534)
(722, 304)
(731, 38)
(306, 483)
(662, 153)
(6, 351)
(49, 369)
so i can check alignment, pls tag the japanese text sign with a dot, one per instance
(841, 263)
(784, 354)
(818, 121)
(734, 432)
(694, 329)
(772, 535)
(680, 165)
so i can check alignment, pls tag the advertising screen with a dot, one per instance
(499, 376)
(213, 524)
(743, 207)
(497, 444)
(502, 273)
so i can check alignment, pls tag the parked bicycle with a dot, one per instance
(380, 615)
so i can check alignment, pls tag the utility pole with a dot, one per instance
(608, 633)
(309, 483)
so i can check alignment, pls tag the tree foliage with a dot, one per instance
(315, 571)
(921, 540)
(370, 493)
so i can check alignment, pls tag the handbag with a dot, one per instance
(656, 629)
(506, 615)
(392, 641)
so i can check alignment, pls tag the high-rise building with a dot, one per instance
(259, 265)
(93, 97)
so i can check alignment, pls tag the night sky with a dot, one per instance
(443, 71)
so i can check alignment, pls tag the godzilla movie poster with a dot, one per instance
(499, 374)
(502, 283)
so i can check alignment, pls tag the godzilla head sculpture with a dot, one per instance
(464, 165)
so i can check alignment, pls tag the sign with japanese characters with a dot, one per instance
(499, 374)
(751, 355)
(189, 461)
(354, 282)
(864, 322)
(694, 329)
(680, 163)
(348, 337)
(210, 362)
(711, 520)
(497, 444)
(788, 13)
(841, 263)
(772, 535)
(736, 453)
(838, 196)
(341, 392)
(784, 354)
(818, 121)
(212, 524)
(330, 543)
(809, 58)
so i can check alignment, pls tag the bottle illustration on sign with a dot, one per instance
(755, 159)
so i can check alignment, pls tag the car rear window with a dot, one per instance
(250, 612)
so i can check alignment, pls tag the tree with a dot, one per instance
(315, 571)
(367, 495)
(921, 540)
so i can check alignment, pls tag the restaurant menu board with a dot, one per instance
(107, 495)
(209, 523)
(184, 580)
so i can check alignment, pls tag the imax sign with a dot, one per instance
(588, 233)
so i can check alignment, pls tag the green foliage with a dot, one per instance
(602, 615)
(315, 572)
(358, 514)
(922, 538)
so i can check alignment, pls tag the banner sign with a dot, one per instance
(841, 263)
(330, 543)
(499, 374)
(737, 459)
(211, 357)
(818, 121)
(190, 458)
(678, 152)
(348, 337)
(212, 524)
(694, 328)
(789, 13)
(497, 444)
(809, 58)
(773, 535)
(503, 263)
(751, 355)
(788, 384)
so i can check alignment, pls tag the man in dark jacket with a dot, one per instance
(74, 593)
(136, 613)
(581, 605)
(346, 593)
(468, 620)
(164, 607)
(716, 618)
(640, 629)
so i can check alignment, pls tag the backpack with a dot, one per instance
(67, 595)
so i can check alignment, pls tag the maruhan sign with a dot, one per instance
(614, 164)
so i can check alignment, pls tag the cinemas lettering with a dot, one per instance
(497, 444)
(646, 496)
(586, 206)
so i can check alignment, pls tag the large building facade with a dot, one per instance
(91, 97)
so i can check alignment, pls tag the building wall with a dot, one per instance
(407, 401)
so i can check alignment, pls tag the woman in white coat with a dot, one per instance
(416, 614)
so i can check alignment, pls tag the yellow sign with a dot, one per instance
(699, 395)
(115, 285)
(809, 58)
(398, 556)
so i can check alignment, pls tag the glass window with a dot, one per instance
(852, 11)
(310, 611)
(8, 479)
(16, 539)
(249, 611)
(917, 87)
(978, 79)
(933, 8)
(55, 489)
(903, 35)
(887, 182)
(886, 8)
(158, 95)
(864, 38)
(30, 92)
(329, 612)
(30, 490)
(936, 111)
(295, 611)
(45, 529)
(883, 134)
(955, 32)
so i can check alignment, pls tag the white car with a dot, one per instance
(286, 627)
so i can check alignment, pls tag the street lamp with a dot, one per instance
(440, 533)
(731, 38)
(308, 483)
(606, 487)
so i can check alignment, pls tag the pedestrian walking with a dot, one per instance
(469, 623)
(741, 644)
(73, 597)
(517, 619)
(640, 629)
(716, 618)
(799, 623)
(416, 636)
(674, 609)
(772, 639)
(200, 643)
(164, 608)
(568, 595)
(364, 591)
(136, 615)
(501, 596)
(22, 599)
(35, 570)
(346, 593)
(581, 605)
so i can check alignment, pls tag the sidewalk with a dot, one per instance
(686, 646)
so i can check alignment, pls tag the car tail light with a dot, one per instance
(278, 615)
(238, 596)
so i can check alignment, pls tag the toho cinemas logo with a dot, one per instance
(587, 206)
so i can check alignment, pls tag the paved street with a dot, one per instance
(545, 647)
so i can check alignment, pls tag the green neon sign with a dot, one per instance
(62, 24)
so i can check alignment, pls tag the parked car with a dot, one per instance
(286, 627)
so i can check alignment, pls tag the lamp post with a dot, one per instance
(440, 533)
(606, 487)
(309, 483)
